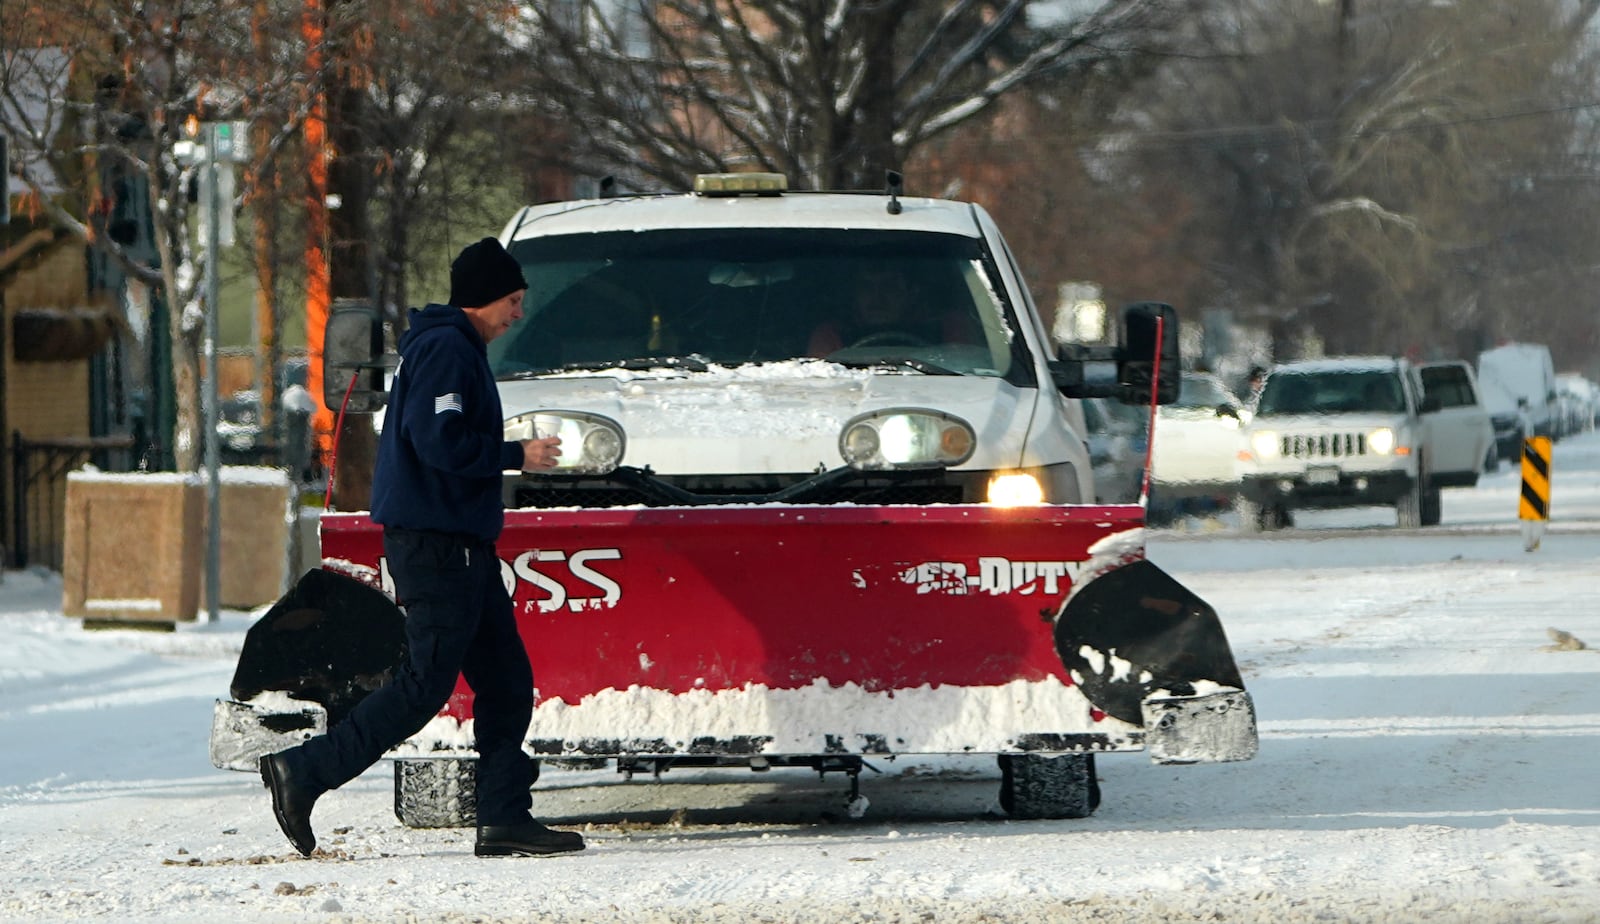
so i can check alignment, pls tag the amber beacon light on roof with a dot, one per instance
(739, 184)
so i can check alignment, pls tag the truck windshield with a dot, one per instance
(681, 298)
(1331, 393)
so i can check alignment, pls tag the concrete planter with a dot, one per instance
(133, 551)
(135, 545)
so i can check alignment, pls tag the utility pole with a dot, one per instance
(5, 242)
(350, 270)
(220, 146)
(5, 179)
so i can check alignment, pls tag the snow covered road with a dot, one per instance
(1425, 756)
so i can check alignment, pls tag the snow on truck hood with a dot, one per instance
(779, 417)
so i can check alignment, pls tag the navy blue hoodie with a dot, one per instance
(443, 446)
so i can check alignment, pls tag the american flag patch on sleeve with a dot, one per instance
(450, 402)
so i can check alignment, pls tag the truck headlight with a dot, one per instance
(1381, 441)
(590, 444)
(1265, 444)
(1015, 489)
(906, 438)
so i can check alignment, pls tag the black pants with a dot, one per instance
(458, 621)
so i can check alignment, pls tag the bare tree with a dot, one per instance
(445, 131)
(1374, 173)
(829, 92)
(127, 79)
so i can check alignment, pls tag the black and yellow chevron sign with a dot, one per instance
(1535, 504)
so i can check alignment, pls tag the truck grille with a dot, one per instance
(623, 497)
(912, 488)
(1324, 445)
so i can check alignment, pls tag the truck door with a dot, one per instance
(1459, 430)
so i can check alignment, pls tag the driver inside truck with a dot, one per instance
(886, 308)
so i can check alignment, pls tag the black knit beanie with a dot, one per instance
(483, 273)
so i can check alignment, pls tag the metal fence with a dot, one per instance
(39, 471)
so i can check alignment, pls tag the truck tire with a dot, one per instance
(1408, 509)
(1249, 514)
(1036, 786)
(1432, 506)
(436, 792)
(1261, 518)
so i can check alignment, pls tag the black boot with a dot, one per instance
(529, 839)
(291, 802)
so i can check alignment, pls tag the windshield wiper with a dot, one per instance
(902, 362)
(686, 363)
(694, 363)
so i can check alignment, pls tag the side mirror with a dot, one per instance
(1149, 331)
(1142, 324)
(352, 345)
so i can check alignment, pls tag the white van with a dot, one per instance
(1518, 381)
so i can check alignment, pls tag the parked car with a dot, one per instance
(1519, 390)
(1577, 401)
(1196, 440)
(1508, 420)
(239, 427)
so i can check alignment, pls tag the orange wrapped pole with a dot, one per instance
(317, 271)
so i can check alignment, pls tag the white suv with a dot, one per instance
(1360, 431)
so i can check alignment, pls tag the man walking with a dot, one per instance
(437, 493)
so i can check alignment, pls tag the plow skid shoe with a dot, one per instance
(242, 733)
(1134, 633)
(1210, 728)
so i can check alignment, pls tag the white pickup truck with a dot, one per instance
(824, 497)
(1361, 431)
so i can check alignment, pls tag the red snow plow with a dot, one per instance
(774, 635)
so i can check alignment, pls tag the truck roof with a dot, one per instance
(1515, 348)
(789, 210)
(1341, 364)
